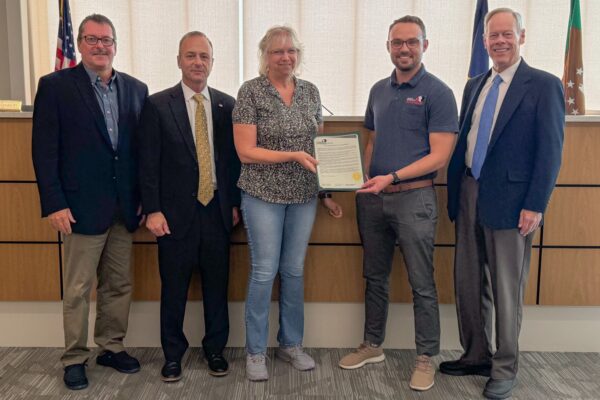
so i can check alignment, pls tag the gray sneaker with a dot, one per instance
(256, 367)
(296, 356)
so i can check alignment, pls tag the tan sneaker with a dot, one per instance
(422, 376)
(365, 354)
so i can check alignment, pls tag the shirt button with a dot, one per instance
(117, 158)
(110, 129)
(114, 177)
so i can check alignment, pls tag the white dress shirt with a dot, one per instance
(507, 76)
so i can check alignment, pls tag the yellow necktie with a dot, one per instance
(205, 184)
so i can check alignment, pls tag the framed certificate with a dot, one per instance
(340, 165)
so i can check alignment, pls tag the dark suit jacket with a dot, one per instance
(524, 153)
(75, 164)
(168, 161)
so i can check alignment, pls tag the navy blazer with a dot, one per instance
(524, 153)
(75, 164)
(168, 161)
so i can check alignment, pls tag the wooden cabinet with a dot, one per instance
(565, 259)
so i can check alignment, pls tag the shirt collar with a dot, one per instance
(95, 78)
(412, 82)
(508, 74)
(188, 93)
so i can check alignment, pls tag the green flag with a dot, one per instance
(573, 73)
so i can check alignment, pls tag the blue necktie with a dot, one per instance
(485, 127)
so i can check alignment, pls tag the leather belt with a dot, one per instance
(404, 186)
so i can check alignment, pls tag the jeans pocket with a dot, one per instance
(428, 205)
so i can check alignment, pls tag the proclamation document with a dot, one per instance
(340, 165)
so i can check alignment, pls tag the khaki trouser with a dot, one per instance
(107, 258)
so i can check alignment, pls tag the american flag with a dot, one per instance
(65, 45)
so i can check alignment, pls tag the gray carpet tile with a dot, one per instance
(36, 373)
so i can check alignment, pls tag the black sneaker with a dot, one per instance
(120, 361)
(75, 378)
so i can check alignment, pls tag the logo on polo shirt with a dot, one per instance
(417, 101)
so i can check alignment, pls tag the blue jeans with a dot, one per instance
(278, 236)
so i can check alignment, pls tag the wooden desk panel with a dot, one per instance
(581, 164)
(334, 274)
(15, 150)
(573, 217)
(143, 235)
(570, 277)
(21, 216)
(30, 272)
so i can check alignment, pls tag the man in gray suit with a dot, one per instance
(500, 179)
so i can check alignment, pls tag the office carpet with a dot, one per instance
(36, 373)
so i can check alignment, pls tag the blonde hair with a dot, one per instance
(267, 41)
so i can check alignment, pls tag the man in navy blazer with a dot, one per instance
(83, 123)
(192, 231)
(500, 178)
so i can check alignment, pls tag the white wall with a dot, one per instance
(334, 325)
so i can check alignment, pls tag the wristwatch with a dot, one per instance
(396, 178)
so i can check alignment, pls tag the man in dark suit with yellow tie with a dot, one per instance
(188, 175)
(500, 179)
(83, 122)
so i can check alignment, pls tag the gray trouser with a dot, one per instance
(409, 219)
(490, 271)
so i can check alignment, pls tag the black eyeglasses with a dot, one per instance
(93, 40)
(411, 43)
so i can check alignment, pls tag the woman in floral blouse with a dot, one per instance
(275, 120)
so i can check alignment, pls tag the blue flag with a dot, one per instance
(479, 56)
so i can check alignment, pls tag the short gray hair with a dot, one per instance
(265, 44)
(99, 19)
(192, 34)
(516, 16)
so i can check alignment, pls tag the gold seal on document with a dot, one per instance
(356, 176)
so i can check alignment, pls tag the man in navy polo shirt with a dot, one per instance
(412, 118)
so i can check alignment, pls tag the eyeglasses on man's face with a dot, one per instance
(411, 43)
(93, 40)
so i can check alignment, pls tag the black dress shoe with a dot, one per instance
(499, 389)
(460, 368)
(217, 365)
(120, 361)
(171, 371)
(75, 378)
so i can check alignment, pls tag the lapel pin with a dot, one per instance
(220, 105)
